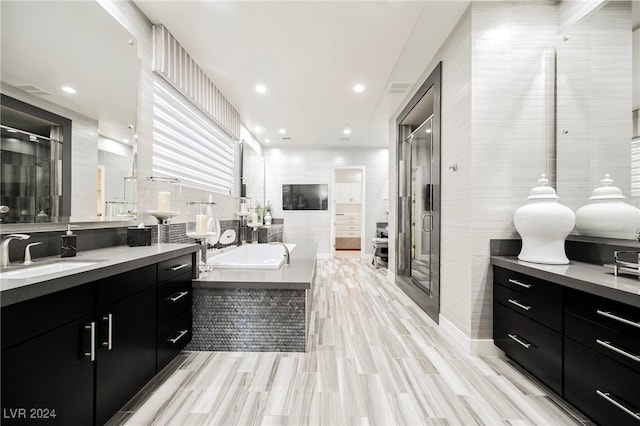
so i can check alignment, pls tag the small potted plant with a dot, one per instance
(267, 214)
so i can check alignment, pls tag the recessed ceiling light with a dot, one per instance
(267, 140)
(261, 88)
(282, 131)
(258, 129)
(69, 89)
(33, 138)
(428, 130)
(358, 88)
(347, 131)
(125, 140)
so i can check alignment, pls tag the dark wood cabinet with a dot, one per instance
(77, 356)
(527, 325)
(126, 351)
(174, 308)
(583, 346)
(49, 379)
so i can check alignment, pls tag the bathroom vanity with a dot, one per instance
(255, 310)
(574, 327)
(77, 345)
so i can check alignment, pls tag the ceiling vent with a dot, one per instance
(34, 90)
(286, 138)
(399, 87)
(345, 139)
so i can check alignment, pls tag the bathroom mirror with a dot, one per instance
(47, 45)
(597, 93)
(253, 176)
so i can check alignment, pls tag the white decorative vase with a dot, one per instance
(543, 225)
(267, 219)
(607, 215)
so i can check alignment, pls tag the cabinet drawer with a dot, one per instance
(603, 389)
(28, 319)
(174, 297)
(535, 347)
(531, 307)
(609, 313)
(534, 287)
(174, 267)
(172, 337)
(121, 286)
(609, 342)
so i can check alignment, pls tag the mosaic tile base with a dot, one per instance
(248, 320)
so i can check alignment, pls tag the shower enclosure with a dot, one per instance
(418, 247)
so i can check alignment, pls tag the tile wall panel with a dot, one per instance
(286, 166)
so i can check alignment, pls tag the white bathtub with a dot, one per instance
(251, 256)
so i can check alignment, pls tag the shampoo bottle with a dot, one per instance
(68, 243)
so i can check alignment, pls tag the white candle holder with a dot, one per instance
(201, 226)
(244, 213)
(166, 191)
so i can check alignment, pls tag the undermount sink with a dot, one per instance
(37, 270)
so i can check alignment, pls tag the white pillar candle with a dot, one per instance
(201, 224)
(254, 218)
(164, 201)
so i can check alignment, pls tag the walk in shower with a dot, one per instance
(418, 247)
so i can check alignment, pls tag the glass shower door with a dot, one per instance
(422, 206)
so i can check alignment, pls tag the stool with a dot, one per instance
(380, 251)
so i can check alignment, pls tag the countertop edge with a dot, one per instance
(569, 280)
(69, 279)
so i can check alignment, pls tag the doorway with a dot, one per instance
(348, 212)
(418, 238)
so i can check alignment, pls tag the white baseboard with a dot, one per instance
(471, 346)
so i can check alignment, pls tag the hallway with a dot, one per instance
(375, 358)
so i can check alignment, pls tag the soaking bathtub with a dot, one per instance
(251, 256)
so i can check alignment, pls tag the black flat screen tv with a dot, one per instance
(305, 196)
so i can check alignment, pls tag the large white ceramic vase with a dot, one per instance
(607, 215)
(544, 224)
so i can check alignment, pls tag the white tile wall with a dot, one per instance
(496, 127)
(310, 165)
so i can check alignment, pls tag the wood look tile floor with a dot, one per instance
(375, 359)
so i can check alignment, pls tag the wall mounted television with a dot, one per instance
(305, 196)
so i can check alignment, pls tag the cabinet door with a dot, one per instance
(126, 354)
(354, 193)
(49, 379)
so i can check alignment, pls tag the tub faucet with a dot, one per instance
(286, 250)
(4, 247)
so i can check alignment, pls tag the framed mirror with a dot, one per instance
(78, 46)
(597, 94)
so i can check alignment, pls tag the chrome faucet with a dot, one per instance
(286, 250)
(4, 247)
(27, 253)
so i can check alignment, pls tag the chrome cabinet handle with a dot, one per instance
(607, 396)
(177, 268)
(178, 296)
(92, 352)
(179, 336)
(609, 346)
(516, 282)
(617, 318)
(109, 343)
(519, 305)
(520, 341)
(430, 228)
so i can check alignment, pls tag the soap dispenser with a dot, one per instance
(68, 243)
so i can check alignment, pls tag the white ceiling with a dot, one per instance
(309, 54)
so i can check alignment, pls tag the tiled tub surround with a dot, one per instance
(255, 310)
